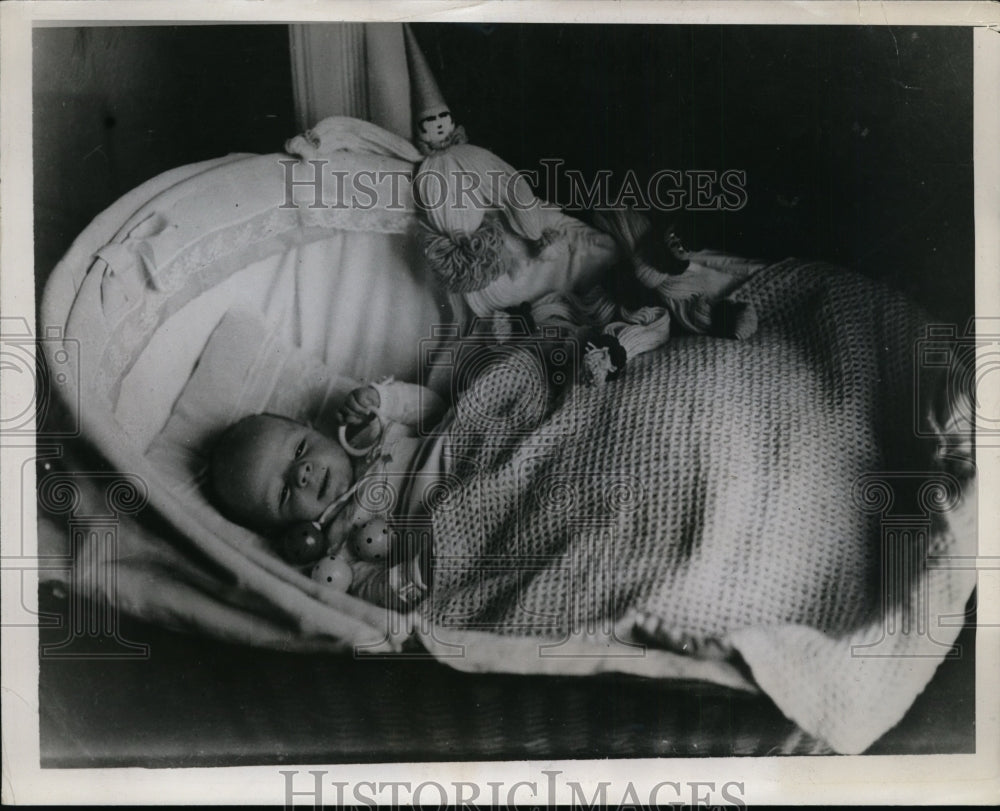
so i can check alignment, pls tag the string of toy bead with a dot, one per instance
(356, 452)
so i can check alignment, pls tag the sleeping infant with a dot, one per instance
(281, 477)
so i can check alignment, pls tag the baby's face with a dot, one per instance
(293, 473)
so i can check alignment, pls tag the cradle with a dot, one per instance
(135, 301)
(140, 292)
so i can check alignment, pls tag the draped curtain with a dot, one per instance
(355, 69)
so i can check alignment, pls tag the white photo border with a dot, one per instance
(951, 779)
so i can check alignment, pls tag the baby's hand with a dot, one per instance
(358, 408)
(407, 583)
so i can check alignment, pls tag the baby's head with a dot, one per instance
(267, 472)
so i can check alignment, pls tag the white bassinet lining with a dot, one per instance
(352, 300)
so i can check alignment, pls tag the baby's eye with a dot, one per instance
(300, 449)
(284, 496)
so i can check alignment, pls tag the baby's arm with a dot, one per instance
(406, 403)
(399, 587)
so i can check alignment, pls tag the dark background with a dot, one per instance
(857, 144)
(856, 141)
(116, 106)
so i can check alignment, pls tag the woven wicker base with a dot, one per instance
(195, 702)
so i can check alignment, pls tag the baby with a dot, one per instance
(272, 474)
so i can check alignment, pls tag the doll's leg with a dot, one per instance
(733, 319)
(728, 263)
(652, 250)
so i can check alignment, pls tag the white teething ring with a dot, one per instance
(351, 449)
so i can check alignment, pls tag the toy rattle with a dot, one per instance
(350, 449)
(370, 541)
(333, 573)
(303, 542)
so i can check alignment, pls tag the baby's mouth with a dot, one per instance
(325, 484)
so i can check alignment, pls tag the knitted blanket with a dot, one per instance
(728, 490)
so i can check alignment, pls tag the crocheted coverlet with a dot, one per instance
(725, 488)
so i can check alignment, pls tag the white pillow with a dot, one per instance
(244, 369)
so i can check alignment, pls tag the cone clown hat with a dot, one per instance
(433, 125)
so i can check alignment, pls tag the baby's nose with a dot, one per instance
(303, 473)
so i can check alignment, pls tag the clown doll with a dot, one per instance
(497, 248)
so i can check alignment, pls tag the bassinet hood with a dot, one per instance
(140, 291)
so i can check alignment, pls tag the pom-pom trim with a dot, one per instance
(464, 263)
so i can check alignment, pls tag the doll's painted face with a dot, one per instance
(437, 126)
(270, 472)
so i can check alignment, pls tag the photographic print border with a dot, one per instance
(948, 779)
